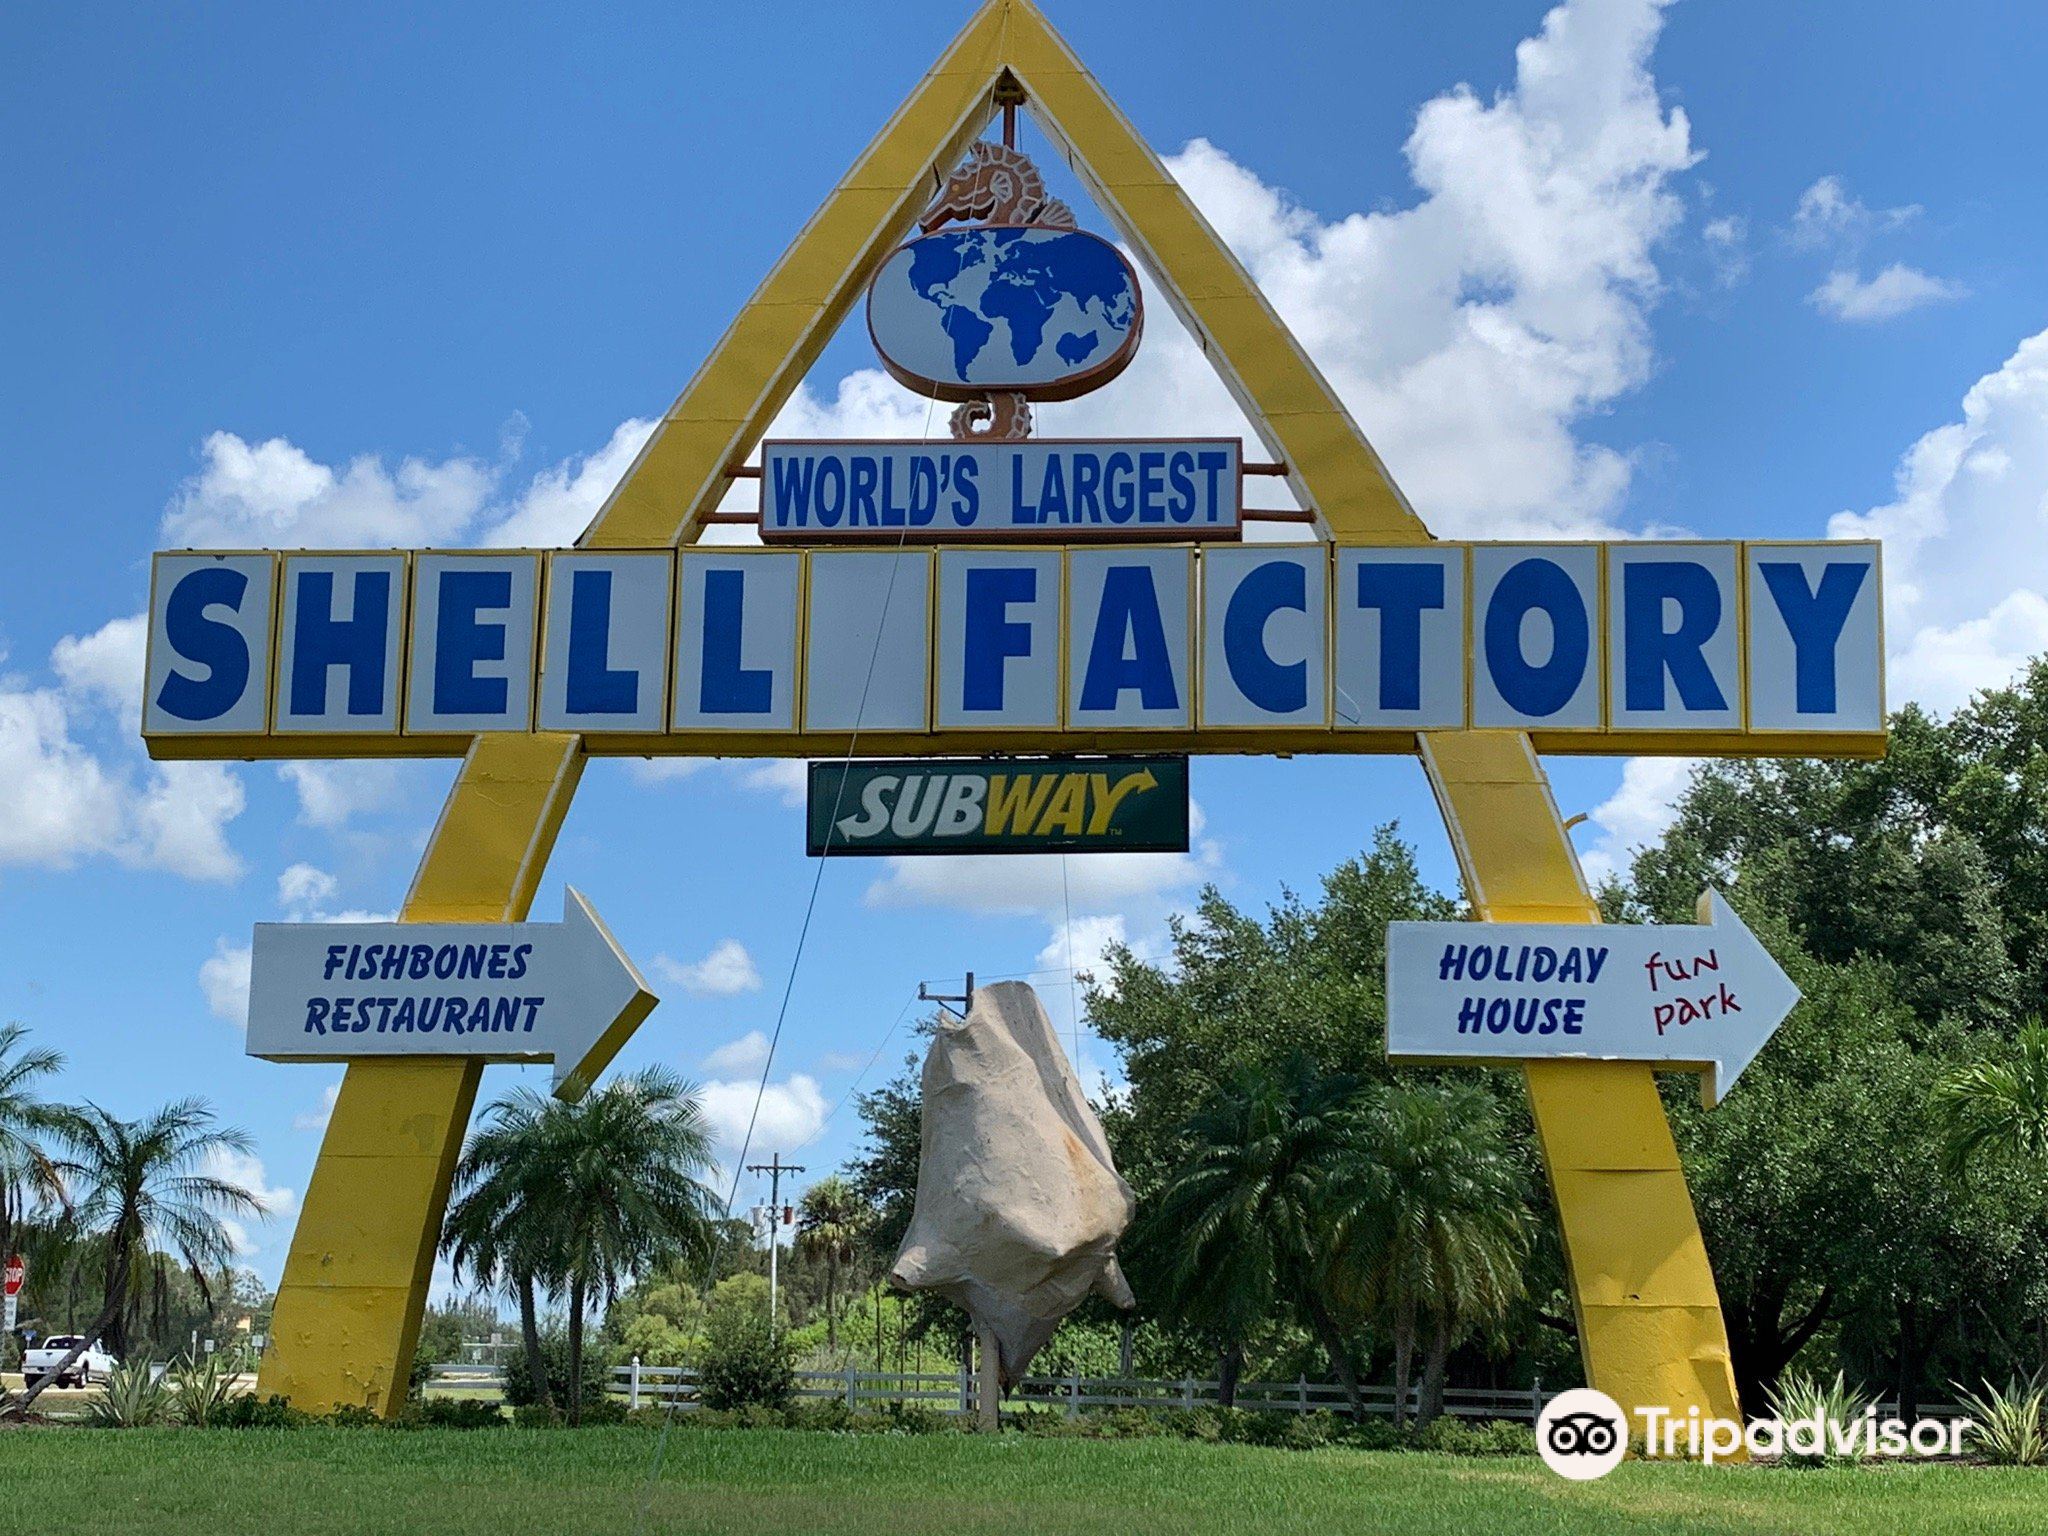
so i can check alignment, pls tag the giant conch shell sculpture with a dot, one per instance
(1019, 1206)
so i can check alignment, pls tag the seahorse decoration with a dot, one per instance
(995, 184)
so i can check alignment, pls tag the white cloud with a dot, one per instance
(333, 794)
(561, 500)
(1966, 586)
(744, 1057)
(1078, 947)
(1829, 214)
(316, 1119)
(725, 972)
(1829, 217)
(65, 803)
(1031, 882)
(224, 978)
(247, 1170)
(304, 887)
(1897, 290)
(106, 666)
(1727, 242)
(273, 495)
(788, 779)
(1636, 815)
(791, 1112)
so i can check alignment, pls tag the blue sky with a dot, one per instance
(416, 275)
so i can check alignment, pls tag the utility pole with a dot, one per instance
(775, 1168)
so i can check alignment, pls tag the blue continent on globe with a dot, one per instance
(1030, 272)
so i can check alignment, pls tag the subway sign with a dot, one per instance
(926, 805)
(1691, 648)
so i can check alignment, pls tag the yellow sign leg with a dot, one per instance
(1650, 1328)
(355, 1285)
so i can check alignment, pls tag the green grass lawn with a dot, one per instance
(568, 1482)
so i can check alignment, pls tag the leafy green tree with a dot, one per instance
(29, 1181)
(148, 1188)
(830, 1222)
(1240, 1225)
(499, 1228)
(583, 1196)
(1430, 1224)
(1240, 993)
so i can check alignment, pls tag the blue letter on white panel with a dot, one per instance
(999, 639)
(473, 621)
(1674, 637)
(1814, 662)
(1128, 635)
(1400, 639)
(604, 651)
(209, 645)
(736, 627)
(339, 646)
(867, 655)
(1264, 638)
(1536, 639)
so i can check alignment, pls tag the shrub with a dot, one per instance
(913, 1419)
(604, 1410)
(830, 1415)
(131, 1397)
(746, 1361)
(1801, 1397)
(2011, 1425)
(457, 1413)
(1454, 1437)
(354, 1416)
(1375, 1435)
(200, 1389)
(554, 1354)
(250, 1412)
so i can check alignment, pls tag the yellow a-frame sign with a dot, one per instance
(354, 1288)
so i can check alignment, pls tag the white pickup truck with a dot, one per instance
(82, 1372)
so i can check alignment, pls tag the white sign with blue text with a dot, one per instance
(500, 991)
(1708, 996)
(1679, 647)
(1041, 489)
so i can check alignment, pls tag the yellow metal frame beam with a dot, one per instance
(349, 1305)
(1650, 1325)
(355, 1285)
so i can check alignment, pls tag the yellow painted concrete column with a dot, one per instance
(355, 1285)
(1650, 1326)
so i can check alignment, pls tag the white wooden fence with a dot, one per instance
(677, 1386)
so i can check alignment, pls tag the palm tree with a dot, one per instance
(28, 1174)
(830, 1223)
(1998, 1108)
(1239, 1224)
(149, 1192)
(1429, 1225)
(497, 1227)
(578, 1197)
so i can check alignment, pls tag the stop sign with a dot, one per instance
(16, 1273)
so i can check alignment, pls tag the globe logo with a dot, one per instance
(1046, 312)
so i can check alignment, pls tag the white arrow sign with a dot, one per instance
(503, 991)
(1707, 996)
